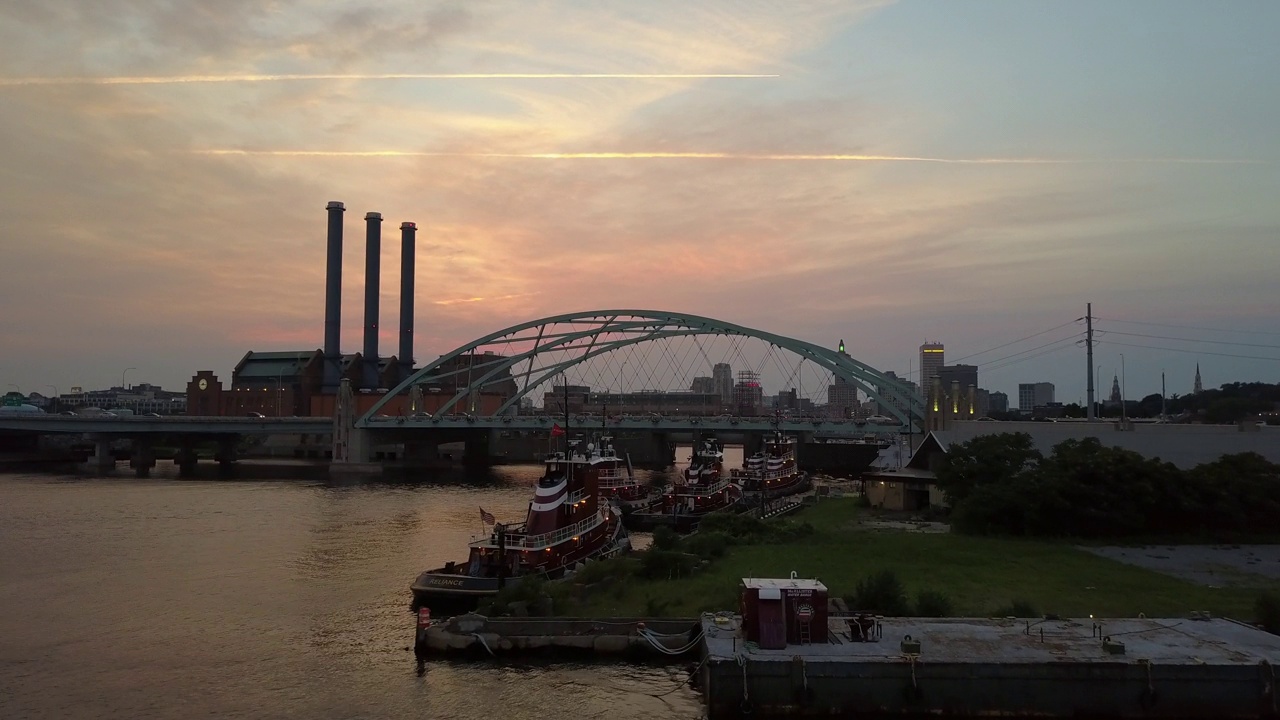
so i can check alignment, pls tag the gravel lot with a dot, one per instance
(1212, 565)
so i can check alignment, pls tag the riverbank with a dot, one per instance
(980, 576)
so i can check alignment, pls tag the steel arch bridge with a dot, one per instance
(586, 335)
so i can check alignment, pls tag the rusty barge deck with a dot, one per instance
(1122, 668)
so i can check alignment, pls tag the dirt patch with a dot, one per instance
(1211, 565)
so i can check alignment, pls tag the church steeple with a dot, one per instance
(1199, 388)
(1115, 390)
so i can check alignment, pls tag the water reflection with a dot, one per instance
(127, 598)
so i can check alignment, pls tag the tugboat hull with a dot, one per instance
(440, 588)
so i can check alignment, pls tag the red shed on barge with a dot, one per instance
(777, 613)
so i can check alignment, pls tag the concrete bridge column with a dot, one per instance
(225, 455)
(664, 449)
(353, 461)
(102, 461)
(186, 458)
(142, 457)
(477, 446)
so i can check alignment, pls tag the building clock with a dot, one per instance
(204, 384)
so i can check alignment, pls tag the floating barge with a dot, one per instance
(475, 635)
(788, 656)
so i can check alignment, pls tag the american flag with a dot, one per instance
(487, 518)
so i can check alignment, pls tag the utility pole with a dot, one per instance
(1088, 343)
(1162, 395)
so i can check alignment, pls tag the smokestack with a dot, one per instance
(333, 296)
(372, 259)
(408, 239)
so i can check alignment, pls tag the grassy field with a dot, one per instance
(979, 575)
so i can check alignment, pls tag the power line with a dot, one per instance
(1196, 352)
(1038, 347)
(1192, 327)
(1182, 339)
(1014, 342)
(1050, 351)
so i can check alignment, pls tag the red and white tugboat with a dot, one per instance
(703, 489)
(617, 479)
(568, 523)
(773, 472)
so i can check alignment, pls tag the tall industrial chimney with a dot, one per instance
(372, 258)
(333, 297)
(408, 239)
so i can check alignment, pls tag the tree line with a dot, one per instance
(1003, 485)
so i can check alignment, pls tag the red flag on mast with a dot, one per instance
(556, 430)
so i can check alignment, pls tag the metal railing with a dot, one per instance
(546, 540)
(615, 478)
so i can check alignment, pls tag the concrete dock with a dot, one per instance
(1166, 668)
(479, 636)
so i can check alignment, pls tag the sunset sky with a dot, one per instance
(883, 172)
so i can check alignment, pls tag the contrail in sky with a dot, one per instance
(460, 301)
(777, 157)
(180, 79)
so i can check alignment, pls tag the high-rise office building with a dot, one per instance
(930, 364)
(1033, 395)
(891, 396)
(999, 402)
(722, 380)
(842, 395)
(703, 385)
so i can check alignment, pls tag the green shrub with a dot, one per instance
(1267, 612)
(605, 571)
(881, 593)
(666, 564)
(707, 545)
(1018, 609)
(655, 608)
(933, 604)
(664, 538)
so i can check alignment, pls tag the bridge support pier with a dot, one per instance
(352, 461)
(142, 457)
(186, 458)
(478, 444)
(225, 455)
(102, 461)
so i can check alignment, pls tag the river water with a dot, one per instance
(165, 598)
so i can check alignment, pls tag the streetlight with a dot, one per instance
(122, 376)
(279, 375)
(57, 397)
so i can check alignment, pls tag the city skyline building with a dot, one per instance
(722, 380)
(842, 395)
(1033, 395)
(932, 356)
(997, 401)
(748, 395)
